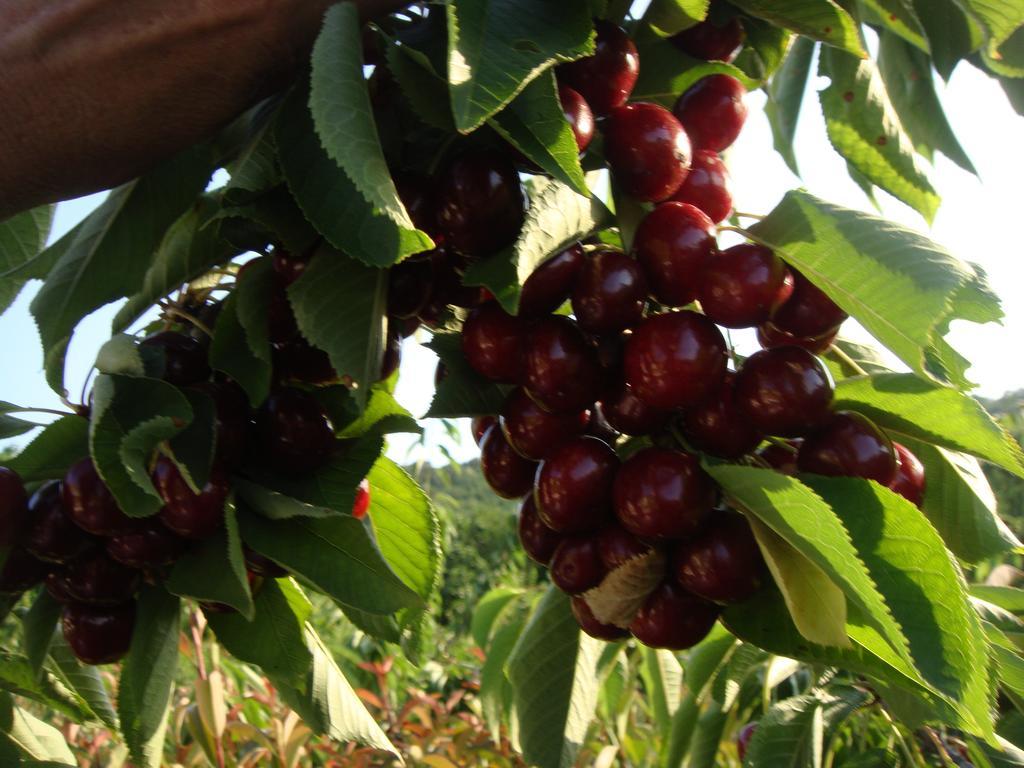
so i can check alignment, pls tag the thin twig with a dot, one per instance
(845, 358)
(742, 215)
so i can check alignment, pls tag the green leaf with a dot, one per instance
(902, 287)
(785, 98)
(121, 354)
(821, 20)
(1008, 598)
(383, 415)
(84, 679)
(663, 681)
(39, 626)
(672, 16)
(496, 47)
(274, 505)
(487, 610)
(18, 676)
(107, 257)
(764, 49)
(952, 35)
(256, 170)
(495, 689)
(53, 450)
(420, 83)
(31, 738)
(192, 449)
(1008, 60)
(897, 17)
(231, 352)
(865, 129)
(147, 676)
(463, 391)
(11, 426)
(22, 237)
(273, 217)
(999, 19)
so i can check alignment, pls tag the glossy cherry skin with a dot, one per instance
(662, 493)
(52, 535)
(96, 579)
(289, 267)
(710, 41)
(675, 359)
(909, 481)
(293, 432)
(13, 506)
(410, 285)
(298, 360)
(741, 286)
(672, 244)
(184, 357)
(579, 116)
(607, 78)
(808, 313)
(722, 563)
(850, 445)
(673, 618)
(574, 484)
(91, 504)
(716, 426)
(548, 287)
(589, 623)
(744, 738)
(480, 425)
(617, 546)
(648, 151)
(262, 565)
(391, 360)
(480, 203)
(708, 185)
(610, 292)
(21, 571)
(770, 337)
(361, 503)
(509, 474)
(193, 516)
(492, 341)
(782, 458)
(417, 195)
(98, 634)
(149, 546)
(534, 432)
(560, 369)
(784, 391)
(712, 111)
(630, 415)
(537, 540)
(576, 565)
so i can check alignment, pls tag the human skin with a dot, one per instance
(96, 92)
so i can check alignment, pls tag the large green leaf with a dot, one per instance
(53, 450)
(273, 217)
(672, 16)
(18, 676)
(663, 680)
(463, 391)
(495, 688)
(12, 426)
(785, 98)
(26, 740)
(897, 17)
(951, 33)
(22, 237)
(383, 415)
(231, 353)
(821, 20)
(255, 170)
(39, 626)
(84, 679)
(998, 18)
(488, 609)
(1008, 60)
(765, 48)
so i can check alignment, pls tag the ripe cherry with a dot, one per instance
(672, 244)
(722, 563)
(91, 504)
(56, 585)
(98, 634)
(808, 313)
(233, 415)
(648, 151)
(576, 565)
(298, 360)
(550, 284)
(509, 474)
(740, 286)
(293, 432)
(710, 41)
(617, 546)
(480, 425)
(391, 360)
(716, 425)
(534, 432)
(21, 571)
(184, 357)
(910, 480)
(537, 540)
(96, 579)
(492, 341)
(849, 445)
(673, 618)
(574, 484)
(589, 623)
(193, 516)
(480, 203)
(560, 369)
(361, 504)
(630, 415)
(449, 267)
(712, 111)
(607, 78)
(263, 565)
(675, 359)
(417, 195)
(578, 114)
(52, 535)
(13, 506)
(781, 456)
(770, 337)
(149, 546)
(662, 493)
(744, 738)
(289, 267)
(784, 391)
(610, 292)
(707, 185)
(410, 285)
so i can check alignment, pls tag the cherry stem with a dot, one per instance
(746, 233)
(782, 443)
(742, 215)
(175, 311)
(759, 462)
(42, 410)
(845, 358)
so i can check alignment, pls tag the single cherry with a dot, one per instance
(808, 313)
(560, 368)
(662, 493)
(298, 360)
(13, 507)
(91, 504)
(741, 286)
(480, 203)
(534, 432)
(628, 414)
(784, 391)
(574, 484)
(293, 432)
(672, 244)
(675, 359)
(21, 571)
(410, 285)
(648, 151)
(673, 618)
(607, 78)
(770, 337)
(509, 474)
(549, 285)
(361, 503)
(449, 266)
(849, 445)
(56, 585)
(537, 540)
(98, 634)
(610, 292)
(96, 579)
(707, 185)
(184, 357)
(579, 116)
(910, 480)
(418, 196)
(262, 565)
(710, 41)
(781, 456)
(617, 546)
(589, 623)
(722, 563)
(576, 565)
(712, 111)
(492, 341)
(480, 425)
(149, 546)
(52, 535)
(716, 425)
(191, 515)
(289, 267)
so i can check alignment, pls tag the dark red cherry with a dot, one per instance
(149, 546)
(722, 563)
(537, 540)
(610, 292)
(263, 565)
(850, 445)
(808, 313)
(712, 112)
(560, 368)
(361, 503)
(576, 565)
(740, 286)
(716, 426)
(617, 546)
(184, 357)
(391, 360)
(13, 507)
(630, 415)
(293, 432)
(769, 337)
(20, 572)
(410, 285)
(675, 359)
(492, 341)
(449, 267)
(909, 481)
(509, 474)
(662, 493)
(480, 203)
(707, 185)
(648, 151)
(51, 534)
(744, 738)
(298, 360)
(574, 485)
(288, 266)
(672, 244)
(96, 579)
(607, 78)
(673, 618)
(231, 406)
(579, 116)
(781, 456)
(589, 623)
(91, 504)
(98, 634)
(710, 41)
(419, 198)
(480, 425)
(56, 584)
(534, 432)
(548, 287)
(784, 391)
(194, 516)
